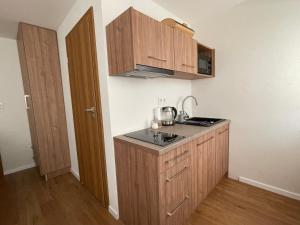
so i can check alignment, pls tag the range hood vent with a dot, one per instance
(145, 72)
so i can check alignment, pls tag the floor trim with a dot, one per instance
(270, 188)
(75, 174)
(113, 212)
(18, 169)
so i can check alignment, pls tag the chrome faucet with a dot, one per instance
(183, 114)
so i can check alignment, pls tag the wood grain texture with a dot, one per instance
(63, 201)
(203, 168)
(222, 152)
(137, 179)
(175, 193)
(27, 92)
(174, 156)
(234, 203)
(120, 44)
(153, 42)
(134, 38)
(84, 83)
(26, 199)
(185, 49)
(42, 79)
(182, 178)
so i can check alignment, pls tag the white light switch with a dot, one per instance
(1, 106)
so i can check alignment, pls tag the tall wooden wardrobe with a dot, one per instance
(39, 59)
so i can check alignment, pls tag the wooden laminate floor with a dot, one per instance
(26, 199)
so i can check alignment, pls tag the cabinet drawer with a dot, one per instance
(176, 193)
(223, 129)
(174, 156)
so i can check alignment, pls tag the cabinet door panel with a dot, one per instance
(46, 97)
(222, 152)
(185, 52)
(153, 42)
(203, 168)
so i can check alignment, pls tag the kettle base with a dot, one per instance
(168, 123)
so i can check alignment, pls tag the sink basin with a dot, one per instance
(202, 121)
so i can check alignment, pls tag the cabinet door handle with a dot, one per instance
(221, 132)
(187, 65)
(178, 156)
(177, 174)
(155, 58)
(178, 206)
(25, 99)
(203, 142)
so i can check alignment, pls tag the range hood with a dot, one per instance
(142, 71)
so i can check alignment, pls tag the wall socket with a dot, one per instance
(161, 101)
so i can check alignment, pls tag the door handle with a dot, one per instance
(91, 110)
(25, 98)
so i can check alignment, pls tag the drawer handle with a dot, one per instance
(222, 132)
(178, 206)
(188, 65)
(178, 156)
(203, 142)
(159, 59)
(177, 174)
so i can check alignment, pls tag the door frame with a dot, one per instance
(99, 117)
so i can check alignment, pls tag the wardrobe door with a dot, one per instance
(27, 97)
(45, 83)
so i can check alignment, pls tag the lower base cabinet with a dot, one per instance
(165, 189)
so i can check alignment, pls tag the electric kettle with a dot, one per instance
(168, 116)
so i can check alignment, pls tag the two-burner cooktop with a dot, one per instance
(155, 137)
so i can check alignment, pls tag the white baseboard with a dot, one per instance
(75, 174)
(270, 188)
(18, 169)
(113, 212)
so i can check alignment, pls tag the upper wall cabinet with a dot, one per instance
(185, 52)
(153, 41)
(140, 46)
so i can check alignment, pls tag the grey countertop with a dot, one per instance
(190, 132)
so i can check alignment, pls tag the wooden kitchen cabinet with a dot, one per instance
(153, 42)
(164, 189)
(185, 49)
(222, 152)
(136, 39)
(138, 44)
(203, 167)
(39, 59)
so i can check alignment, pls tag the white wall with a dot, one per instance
(127, 103)
(257, 86)
(15, 142)
(132, 100)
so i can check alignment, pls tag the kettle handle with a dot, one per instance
(175, 111)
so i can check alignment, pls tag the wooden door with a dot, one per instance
(41, 75)
(153, 42)
(84, 82)
(222, 152)
(185, 52)
(203, 168)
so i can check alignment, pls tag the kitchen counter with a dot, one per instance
(190, 132)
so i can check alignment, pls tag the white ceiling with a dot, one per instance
(195, 11)
(45, 13)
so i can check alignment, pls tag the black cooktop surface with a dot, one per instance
(155, 137)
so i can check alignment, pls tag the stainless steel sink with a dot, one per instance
(201, 121)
